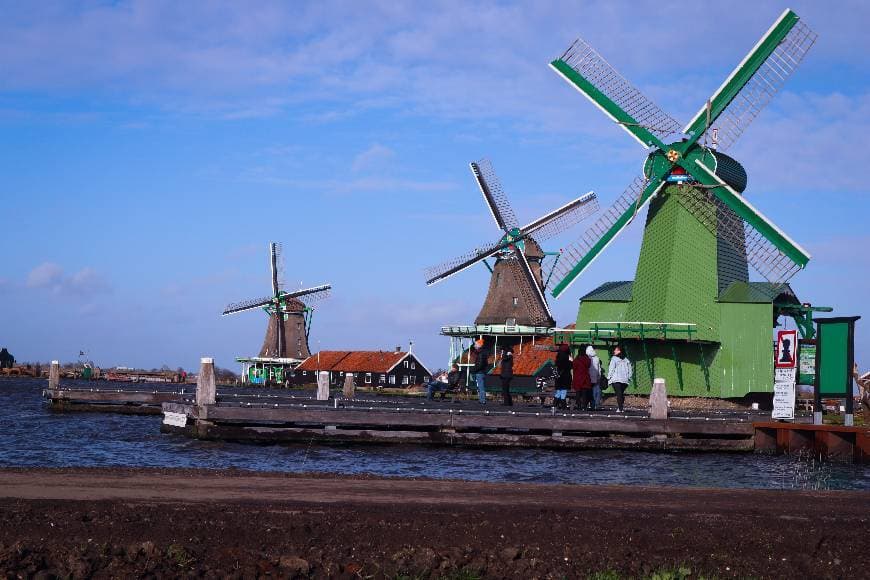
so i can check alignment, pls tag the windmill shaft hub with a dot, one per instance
(725, 167)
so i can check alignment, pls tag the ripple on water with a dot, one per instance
(31, 436)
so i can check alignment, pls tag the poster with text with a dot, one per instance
(786, 349)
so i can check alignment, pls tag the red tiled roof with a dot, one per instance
(325, 362)
(530, 360)
(354, 361)
(370, 361)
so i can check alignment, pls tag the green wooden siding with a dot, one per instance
(676, 277)
(745, 359)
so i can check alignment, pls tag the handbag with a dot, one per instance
(602, 379)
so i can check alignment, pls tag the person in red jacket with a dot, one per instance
(582, 383)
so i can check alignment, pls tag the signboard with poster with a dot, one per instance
(784, 374)
(786, 349)
(807, 362)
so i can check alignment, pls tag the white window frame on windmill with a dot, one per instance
(516, 301)
(368, 378)
(404, 379)
(384, 379)
(392, 379)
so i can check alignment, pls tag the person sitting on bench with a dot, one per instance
(450, 386)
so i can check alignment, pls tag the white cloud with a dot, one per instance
(50, 276)
(377, 157)
(808, 142)
(452, 59)
(47, 275)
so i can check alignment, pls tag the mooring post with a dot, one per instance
(54, 375)
(323, 386)
(205, 387)
(658, 400)
(348, 386)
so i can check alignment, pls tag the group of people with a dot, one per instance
(479, 370)
(582, 374)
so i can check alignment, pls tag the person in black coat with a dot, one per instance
(480, 368)
(564, 368)
(507, 375)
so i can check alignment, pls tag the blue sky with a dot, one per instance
(151, 150)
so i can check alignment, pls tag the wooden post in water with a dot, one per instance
(323, 386)
(658, 400)
(205, 387)
(348, 386)
(54, 375)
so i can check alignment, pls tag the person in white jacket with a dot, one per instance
(595, 376)
(619, 375)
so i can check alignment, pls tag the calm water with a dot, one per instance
(32, 436)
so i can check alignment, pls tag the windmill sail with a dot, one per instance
(770, 251)
(576, 257)
(449, 268)
(494, 195)
(248, 305)
(752, 85)
(530, 290)
(592, 75)
(721, 221)
(309, 295)
(557, 221)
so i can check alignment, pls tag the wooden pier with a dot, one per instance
(354, 423)
(833, 442)
(128, 402)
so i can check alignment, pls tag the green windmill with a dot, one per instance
(691, 315)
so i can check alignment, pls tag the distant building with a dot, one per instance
(6, 359)
(370, 368)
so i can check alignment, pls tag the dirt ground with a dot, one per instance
(168, 523)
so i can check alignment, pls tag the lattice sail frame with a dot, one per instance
(434, 273)
(248, 305)
(575, 252)
(533, 298)
(761, 88)
(497, 200)
(720, 220)
(310, 296)
(586, 61)
(587, 205)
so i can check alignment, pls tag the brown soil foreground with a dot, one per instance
(167, 523)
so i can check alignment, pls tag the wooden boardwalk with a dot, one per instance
(124, 401)
(440, 425)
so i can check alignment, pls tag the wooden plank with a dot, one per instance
(63, 406)
(186, 408)
(461, 421)
(112, 396)
(810, 427)
(248, 433)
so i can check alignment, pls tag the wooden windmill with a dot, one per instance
(289, 313)
(516, 287)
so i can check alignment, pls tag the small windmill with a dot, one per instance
(516, 289)
(691, 315)
(289, 313)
